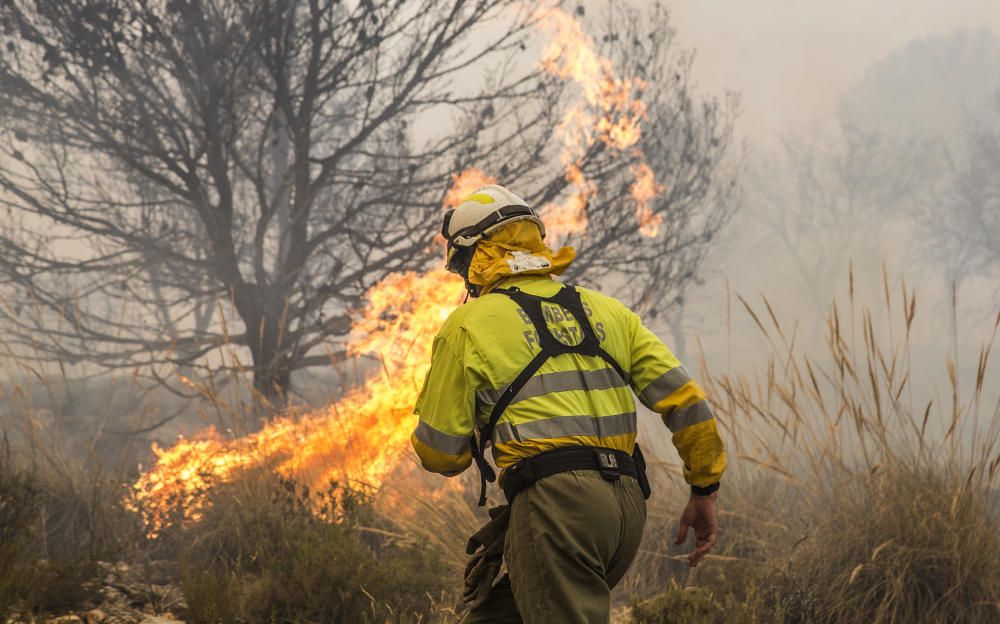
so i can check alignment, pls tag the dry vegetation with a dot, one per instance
(848, 500)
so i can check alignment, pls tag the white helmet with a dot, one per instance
(480, 214)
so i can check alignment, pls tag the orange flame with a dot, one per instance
(363, 435)
(571, 55)
(358, 438)
(611, 112)
(643, 190)
(570, 217)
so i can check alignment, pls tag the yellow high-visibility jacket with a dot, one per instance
(572, 400)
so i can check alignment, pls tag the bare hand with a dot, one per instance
(699, 514)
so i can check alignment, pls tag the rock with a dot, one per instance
(65, 619)
(156, 619)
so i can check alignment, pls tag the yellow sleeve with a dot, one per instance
(446, 410)
(664, 386)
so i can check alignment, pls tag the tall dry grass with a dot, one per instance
(62, 475)
(852, 495)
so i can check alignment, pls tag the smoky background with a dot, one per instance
(865, 161)
(865, 124)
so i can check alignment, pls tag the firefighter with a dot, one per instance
(544, 373)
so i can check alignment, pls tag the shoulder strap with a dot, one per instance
(569, 299)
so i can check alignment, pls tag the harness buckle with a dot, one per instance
(609, 465)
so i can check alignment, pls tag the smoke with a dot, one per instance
(862, 180)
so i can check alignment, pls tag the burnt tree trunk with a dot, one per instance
(267, 339)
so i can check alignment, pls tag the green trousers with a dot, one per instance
(571, 538)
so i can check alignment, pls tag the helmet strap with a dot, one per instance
(460, 263)
(471, 290)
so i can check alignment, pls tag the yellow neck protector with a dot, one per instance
(517, 249)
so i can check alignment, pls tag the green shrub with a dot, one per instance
(212, 594)
(27, 580)
(725, 604)
(58, 586)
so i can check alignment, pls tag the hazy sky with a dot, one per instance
(792, 60)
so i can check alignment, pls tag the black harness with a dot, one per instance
(609, 462)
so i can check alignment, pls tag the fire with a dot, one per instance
(359, 438)
(611, 112)
(570, 217)
(643, 190)
(362, 436)
(571, 55)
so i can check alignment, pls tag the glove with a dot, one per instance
(486, 550)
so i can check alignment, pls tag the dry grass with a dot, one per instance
(52, 533)
(61, 491)
(854, 495)
(851, 497)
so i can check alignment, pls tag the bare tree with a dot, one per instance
(962, 227)
(826, 201)
(171, 159)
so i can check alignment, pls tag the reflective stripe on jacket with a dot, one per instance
(572, 400)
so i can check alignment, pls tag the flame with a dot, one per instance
(360, 437)
(571, 55)
(643, 190)
(611, 112)
(363, 435)
(570, 217)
